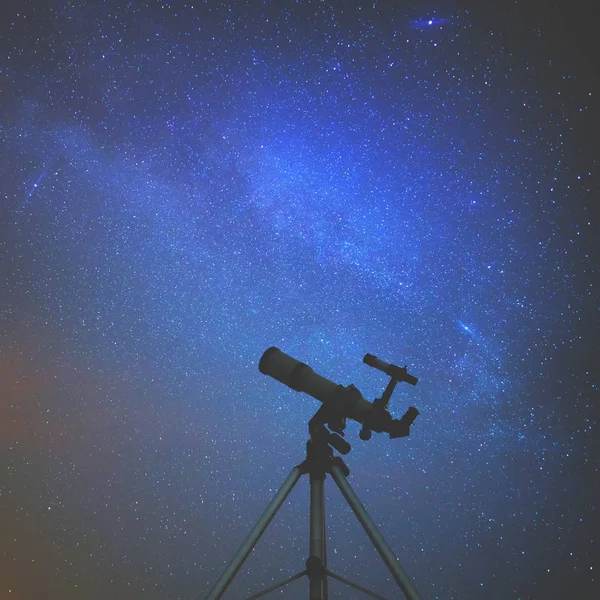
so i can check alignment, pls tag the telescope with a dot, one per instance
(343, 402)
(338, 403)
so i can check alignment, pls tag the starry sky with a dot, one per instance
(187, 184)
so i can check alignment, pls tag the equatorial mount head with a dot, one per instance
(343, 402)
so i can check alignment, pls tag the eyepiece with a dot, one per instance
(401, 427)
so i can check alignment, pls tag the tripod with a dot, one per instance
(319, 461)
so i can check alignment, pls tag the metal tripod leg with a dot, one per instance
(316, 572)
(236, 562)
(391, 562)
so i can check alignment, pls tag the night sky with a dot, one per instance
(184, 185)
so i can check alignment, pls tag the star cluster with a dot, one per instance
(187, 184)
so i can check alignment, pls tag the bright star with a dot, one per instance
(35, 186)
(465, 327)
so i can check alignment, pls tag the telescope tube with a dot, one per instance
(296, 375)
(346, 402)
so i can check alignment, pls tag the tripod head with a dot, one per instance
(341, 403)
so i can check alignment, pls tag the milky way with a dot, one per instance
(186, 185)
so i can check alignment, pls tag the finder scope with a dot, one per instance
(395, 372)
(339, 402)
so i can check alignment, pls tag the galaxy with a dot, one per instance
(186, 184)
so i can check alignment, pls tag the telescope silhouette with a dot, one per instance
(326, 429)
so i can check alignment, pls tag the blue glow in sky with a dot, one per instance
(465, 327)
(429, 22)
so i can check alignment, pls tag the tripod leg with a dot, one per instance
(318, 576)
(325, 580)
(263, 522)
(391, 562)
